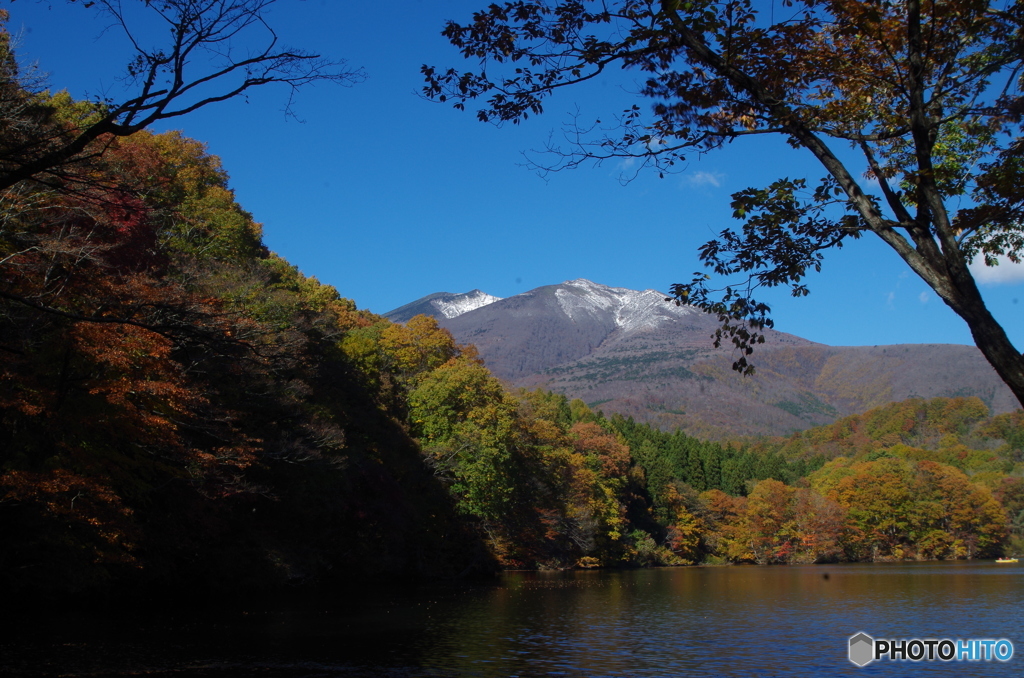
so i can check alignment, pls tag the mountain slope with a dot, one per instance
(441, 305)
(554, 325)
(795, 387)
(632, 352)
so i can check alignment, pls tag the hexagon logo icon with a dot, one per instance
(862, 649)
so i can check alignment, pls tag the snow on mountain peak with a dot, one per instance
(631, 309)
(456, 305)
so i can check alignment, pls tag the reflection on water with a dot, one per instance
(730, 621)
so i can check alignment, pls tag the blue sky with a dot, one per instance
(389, 197)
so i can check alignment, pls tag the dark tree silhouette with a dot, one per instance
(214, 50)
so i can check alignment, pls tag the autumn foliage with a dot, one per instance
(181, 409)
(175, 399)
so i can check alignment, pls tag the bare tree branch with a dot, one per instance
(216, 50)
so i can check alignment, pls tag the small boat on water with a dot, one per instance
(1006, 560)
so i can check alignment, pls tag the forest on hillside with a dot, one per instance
(183, 410)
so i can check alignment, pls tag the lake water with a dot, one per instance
(722, 621)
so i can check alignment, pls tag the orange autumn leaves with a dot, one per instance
(884, 509)
(903, 509)
(602, 502)
(536, 457)
(105, 341)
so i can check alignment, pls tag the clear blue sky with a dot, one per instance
(389, 197)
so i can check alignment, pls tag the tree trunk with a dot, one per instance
(990, 338)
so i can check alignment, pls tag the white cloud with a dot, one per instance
(704, 179)
(1006, 273)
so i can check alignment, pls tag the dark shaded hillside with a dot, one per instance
(177, 414)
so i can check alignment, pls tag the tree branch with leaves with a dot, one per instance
(926, 92)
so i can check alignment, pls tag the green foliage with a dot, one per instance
(69, 111)
(418, 347)
(546, 405)
(955, 431)
(807, 404)
(578, 411)
(1009, 428)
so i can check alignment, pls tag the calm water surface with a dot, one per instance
(727, 621)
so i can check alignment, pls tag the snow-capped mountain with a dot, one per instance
(442, 305)
(635, 353)
(556, 324)
(579, 300)
(463, 303)
(630, 309)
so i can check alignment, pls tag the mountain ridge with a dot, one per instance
(447, 304)
(634, 353)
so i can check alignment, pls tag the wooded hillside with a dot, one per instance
(181, 410)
